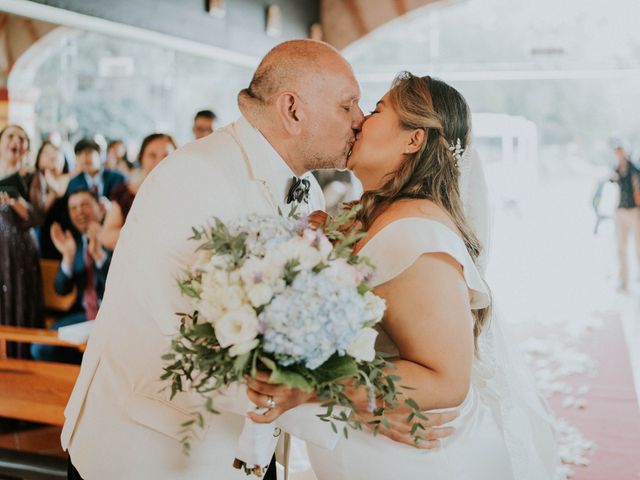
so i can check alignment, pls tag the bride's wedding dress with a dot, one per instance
(504, 431)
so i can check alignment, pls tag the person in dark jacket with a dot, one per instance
(84, 266)
(93, 176)
(627, 176)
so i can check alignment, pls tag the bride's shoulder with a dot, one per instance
(412, 208)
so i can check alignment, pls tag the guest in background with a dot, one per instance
(84, 265)
(627, 218)
(21, 208)
(53, 170)
(203, 123)
(154, 148)
(54, 137)
(50, 163)
(117, 158)
(93, 176)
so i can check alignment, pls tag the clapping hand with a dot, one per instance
(19, 205)
(104, 205)
(5, 199)
(64, 242)
(94, 246)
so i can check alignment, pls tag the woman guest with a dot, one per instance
(154, 148)
(21, 208)
(53, 172)
(117, 158)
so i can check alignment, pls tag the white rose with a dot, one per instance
(221, 261)
(325, 246)
(363, 346)
(309, 235)
(375, 306)
(242, 348)
(279, 285)
(237, 327)
(273, 266)
(234, 277)
(221, 277)
(259, 294)
(202, 262)
(208, 308)
(341, 272)
(251, 269)
(298, 249)
(208, 281)
(230, 297)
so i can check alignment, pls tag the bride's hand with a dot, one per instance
(276, 398)
(400, 430)
(317, 219)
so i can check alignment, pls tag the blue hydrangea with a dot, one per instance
(311, 320)
(264, 232)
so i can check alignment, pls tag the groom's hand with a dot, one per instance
(400, 430)
(276, 398)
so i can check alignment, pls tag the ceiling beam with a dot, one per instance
(505, 75)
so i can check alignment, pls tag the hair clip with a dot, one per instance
(457, 151)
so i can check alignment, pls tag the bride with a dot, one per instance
(439, 326)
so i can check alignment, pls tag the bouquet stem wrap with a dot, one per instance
(256, 444)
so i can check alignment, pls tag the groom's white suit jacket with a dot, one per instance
(119, 424)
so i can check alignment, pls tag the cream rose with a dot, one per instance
(230, 297)
(237, 327)
(298, 249)
(341, 272)
(259, 294)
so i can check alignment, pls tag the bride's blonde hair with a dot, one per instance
(432, 172)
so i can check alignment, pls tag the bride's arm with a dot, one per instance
(429, 319)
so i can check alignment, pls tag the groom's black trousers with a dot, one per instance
(271, 471)
(72, 473)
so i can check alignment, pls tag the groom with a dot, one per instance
(299, 113)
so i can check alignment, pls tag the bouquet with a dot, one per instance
(272, 294)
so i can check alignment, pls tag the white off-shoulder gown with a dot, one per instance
(504, 431)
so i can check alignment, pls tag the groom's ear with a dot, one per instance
(415, 141)
(289, 110)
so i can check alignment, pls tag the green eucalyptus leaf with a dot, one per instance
(291, 379)
(336, 368)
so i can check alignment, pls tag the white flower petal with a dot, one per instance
(363, 346)
(237, 326)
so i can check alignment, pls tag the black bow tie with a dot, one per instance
(299, 190)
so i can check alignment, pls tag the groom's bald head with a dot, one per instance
(291, 66)
(304, 98)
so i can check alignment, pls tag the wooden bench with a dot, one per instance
(55, 304)
(36, 391)
(32, 335)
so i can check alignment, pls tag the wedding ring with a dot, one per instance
(271, 403)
